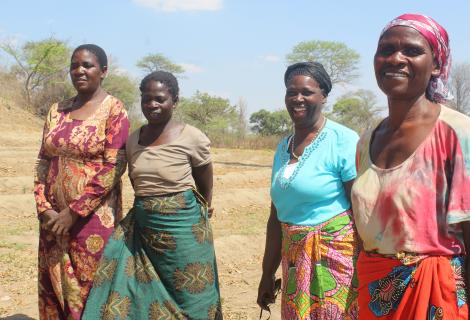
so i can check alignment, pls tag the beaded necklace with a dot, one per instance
(296, 157)
(285, 158)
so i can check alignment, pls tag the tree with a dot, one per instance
(356, 110)
(241, 124)
(119, 84)
(268, 123)
(338, 60)
(460, 87)
(40, 64)
(50, 93)
(156, 62)
(211, 114)
(122, 87)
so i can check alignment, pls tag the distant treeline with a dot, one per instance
(35, 75)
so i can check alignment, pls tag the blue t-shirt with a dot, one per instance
(314, 192)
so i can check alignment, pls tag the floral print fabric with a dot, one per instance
(318, 270)
(79, 166)
(432, 288)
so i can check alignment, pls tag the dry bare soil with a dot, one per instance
(241, 201)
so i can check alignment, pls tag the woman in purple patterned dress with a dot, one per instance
(77, 185)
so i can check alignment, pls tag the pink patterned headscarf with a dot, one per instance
(438, 39)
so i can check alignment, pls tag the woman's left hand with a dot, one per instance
(61, 224)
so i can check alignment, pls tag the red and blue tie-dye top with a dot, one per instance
(416, 207)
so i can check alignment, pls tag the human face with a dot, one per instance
(304, 100)
(157, 103)
(404, 63)
(85, 72)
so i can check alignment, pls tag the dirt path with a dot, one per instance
(241, 200)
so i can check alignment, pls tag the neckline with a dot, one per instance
(92, 116)
(412, 155)
(160, 145)
(291, 137)
(284, 183)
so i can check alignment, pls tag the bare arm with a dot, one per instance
(203, 176)
(271, 259)
(347, 188)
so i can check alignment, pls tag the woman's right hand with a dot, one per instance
(266, 291)
(46, 217)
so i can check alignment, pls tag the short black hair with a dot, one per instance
(97, 51)
(167, 78)
(315, 70)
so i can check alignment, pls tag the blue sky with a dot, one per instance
(231, 48)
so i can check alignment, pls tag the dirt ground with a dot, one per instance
(241, 201)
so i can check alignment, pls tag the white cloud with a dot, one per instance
(271, 58)
(181, 5)
(191, 68)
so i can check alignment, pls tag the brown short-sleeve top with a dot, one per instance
(163, 169)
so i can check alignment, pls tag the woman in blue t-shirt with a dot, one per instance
(310, 229)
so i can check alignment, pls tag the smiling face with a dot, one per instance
(85, 72)
(404, 63)
(304, 100)
(157, 102)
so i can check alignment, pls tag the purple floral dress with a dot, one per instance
(79, 166)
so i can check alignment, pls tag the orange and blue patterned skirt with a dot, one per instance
(404, 288)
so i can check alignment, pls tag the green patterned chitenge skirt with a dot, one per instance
(158, 264)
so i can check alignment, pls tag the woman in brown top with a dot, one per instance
(160, 261)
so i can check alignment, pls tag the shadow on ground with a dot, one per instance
(241, 164)
(18, 317)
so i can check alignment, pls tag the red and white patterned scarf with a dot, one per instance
(438, 39)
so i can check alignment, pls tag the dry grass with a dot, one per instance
(18, 261)
(241, 200)
(11, 89)
(245, 221)
(250, 142)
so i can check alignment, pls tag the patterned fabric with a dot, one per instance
(417, 206)
(158, 264)
(438, 39)
(318, 270)
(433, 288)
(79, 166)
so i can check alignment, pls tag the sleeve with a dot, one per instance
(201, 150)
(128, 148)
(347, 146)
(41, 170)
(277, 162)
(458, 177)
(109, 172)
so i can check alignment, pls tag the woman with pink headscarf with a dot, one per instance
(411, 197)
